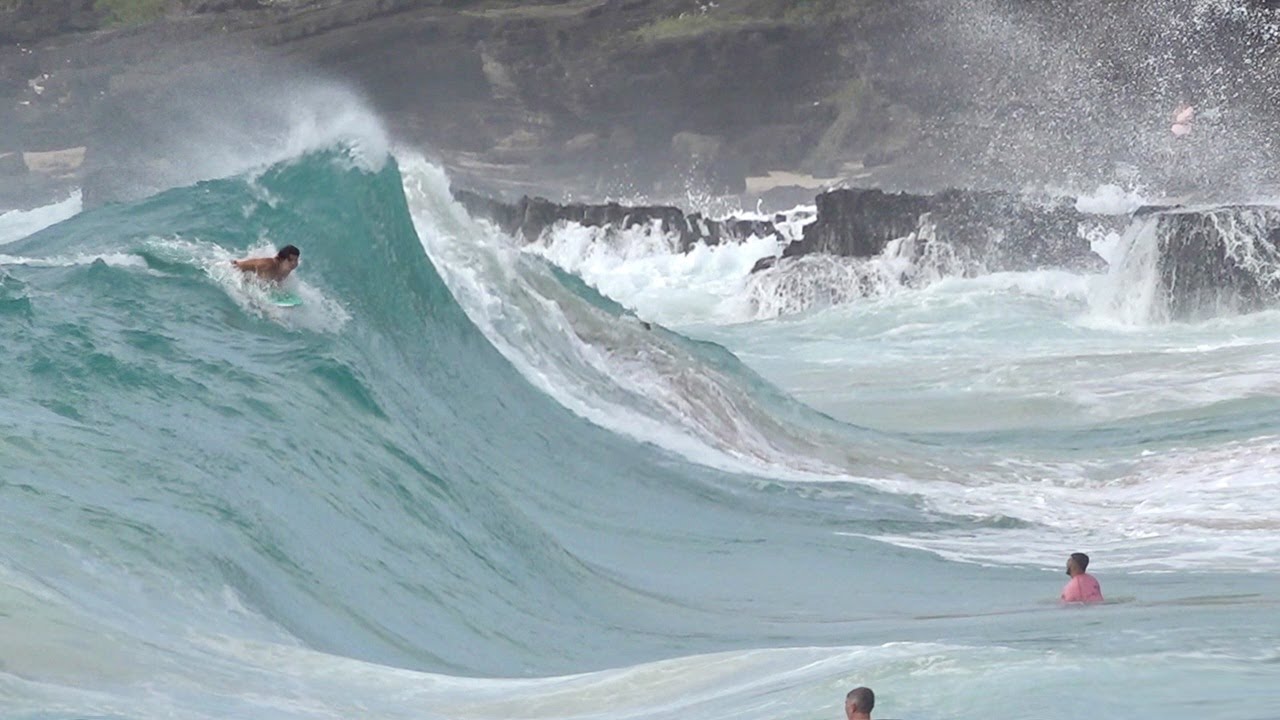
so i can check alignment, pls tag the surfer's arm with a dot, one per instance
(251, 264)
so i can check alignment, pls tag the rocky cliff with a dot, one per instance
(621, 98)
(595, 97)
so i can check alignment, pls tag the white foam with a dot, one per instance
(819, 280)
(115, 259)
(1132, 292)
(17, 224)
(1110, 200)
(642, 269)
(755, 683)
(215, 676)
(1202, 508)
(934, 361)
(318, 312)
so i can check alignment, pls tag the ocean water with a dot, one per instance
(464, 480)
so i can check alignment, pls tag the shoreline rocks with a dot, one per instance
(984, 231)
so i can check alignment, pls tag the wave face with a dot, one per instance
(461, 481)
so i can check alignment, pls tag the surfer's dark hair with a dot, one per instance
(862, 698)
(288, 251)
(1081, 560)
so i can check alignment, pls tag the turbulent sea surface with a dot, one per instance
(465, 481)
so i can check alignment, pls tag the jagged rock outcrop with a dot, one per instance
(858, 223)
(530, 217)
(974, 232)
(1219, 260)
(1208, 260)
(985, 230)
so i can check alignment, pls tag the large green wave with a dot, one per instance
(365, 473)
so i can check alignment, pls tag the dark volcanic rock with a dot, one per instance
(1010, 233)
(764, 263)
(1219, 260)
(529, 218)
(975, 232)
(858, 223)
(987, 231)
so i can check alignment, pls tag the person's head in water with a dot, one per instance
(859, 703)
(289, 255)
(1077, 564)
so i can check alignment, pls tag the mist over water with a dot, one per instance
(242, 111)
(1077, 94)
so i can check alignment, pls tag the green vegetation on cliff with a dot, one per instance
(682, 26)
(816, 11)
(130, 12)
(732, 15)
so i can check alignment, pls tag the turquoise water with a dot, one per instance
(458, 482)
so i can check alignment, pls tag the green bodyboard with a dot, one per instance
(285, 299)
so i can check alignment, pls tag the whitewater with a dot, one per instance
(589, 476)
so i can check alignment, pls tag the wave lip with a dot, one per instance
(17, 224)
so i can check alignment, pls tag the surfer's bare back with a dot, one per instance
(272, 268)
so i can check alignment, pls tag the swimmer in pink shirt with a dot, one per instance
(1083, 587)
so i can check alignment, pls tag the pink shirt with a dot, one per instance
(1082, 588)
